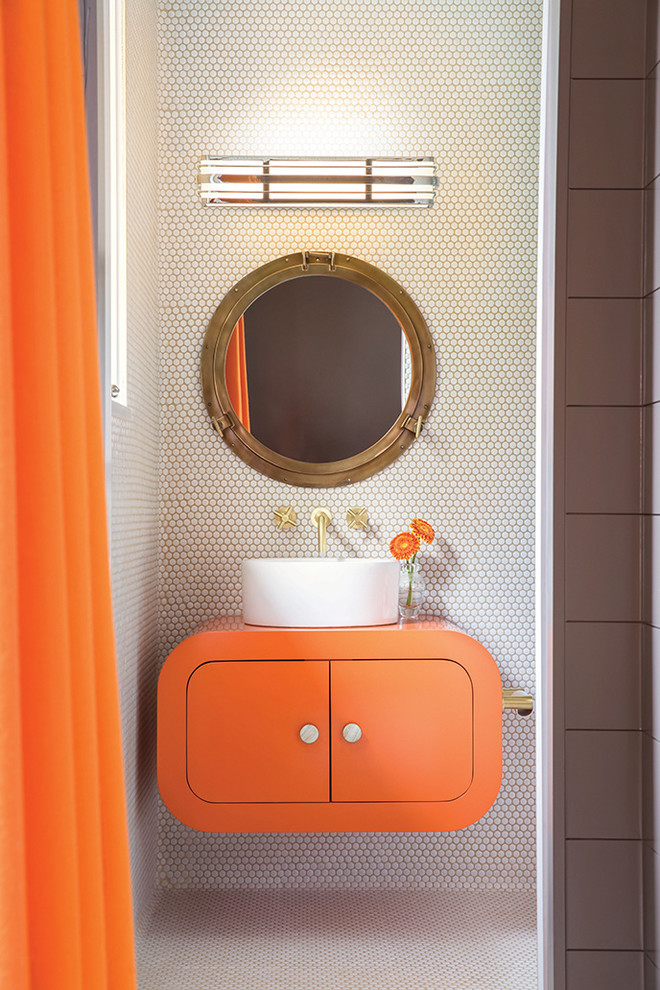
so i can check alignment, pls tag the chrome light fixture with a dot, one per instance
(317, 182)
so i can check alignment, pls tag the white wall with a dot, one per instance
(134, 485)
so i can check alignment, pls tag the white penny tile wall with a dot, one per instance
(457, 79)
(134, 477)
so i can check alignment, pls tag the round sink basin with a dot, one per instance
(283, 591)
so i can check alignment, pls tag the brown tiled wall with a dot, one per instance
(651, 508)
(601, 286)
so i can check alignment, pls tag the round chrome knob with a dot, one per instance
(309, 733)
(352, 732)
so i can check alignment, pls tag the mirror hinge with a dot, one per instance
(221, 423)
(330, 257)
(414, 425)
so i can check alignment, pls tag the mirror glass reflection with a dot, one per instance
(318, 368)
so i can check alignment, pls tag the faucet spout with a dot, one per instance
(321, 517)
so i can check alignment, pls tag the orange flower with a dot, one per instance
(423, 530)
(404, 546)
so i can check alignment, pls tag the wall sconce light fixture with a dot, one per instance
(317, 182)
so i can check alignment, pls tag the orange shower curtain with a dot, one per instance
(236, 374)
(65, 908)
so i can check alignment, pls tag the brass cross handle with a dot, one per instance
(357, 518)
(285, 517)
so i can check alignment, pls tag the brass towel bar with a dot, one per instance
(514, 698)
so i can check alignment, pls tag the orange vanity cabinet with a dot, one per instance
(370, 729)
(416, 722)
(243, 731)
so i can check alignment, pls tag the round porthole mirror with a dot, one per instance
(318, 369)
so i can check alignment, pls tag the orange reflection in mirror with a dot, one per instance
(236, 374)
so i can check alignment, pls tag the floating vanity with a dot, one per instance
(371, 729)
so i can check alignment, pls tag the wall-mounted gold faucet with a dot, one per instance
(321, 517)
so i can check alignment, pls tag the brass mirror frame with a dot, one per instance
(304, 473)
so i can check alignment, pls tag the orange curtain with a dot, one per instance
(65, 907)
(236, 374)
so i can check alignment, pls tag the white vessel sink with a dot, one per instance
(283, 591)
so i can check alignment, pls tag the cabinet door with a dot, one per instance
(243, 731)
(416, 722)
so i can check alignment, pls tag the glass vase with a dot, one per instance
(412, 590)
